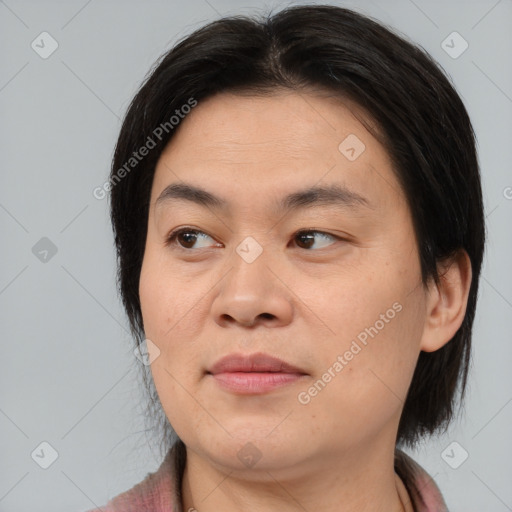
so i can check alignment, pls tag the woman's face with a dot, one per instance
(327, 282)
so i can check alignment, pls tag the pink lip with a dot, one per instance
(253, 374)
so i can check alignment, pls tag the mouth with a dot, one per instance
(254, 374)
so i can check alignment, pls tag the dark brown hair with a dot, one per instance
(418, 115)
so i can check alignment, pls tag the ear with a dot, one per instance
(446, 302)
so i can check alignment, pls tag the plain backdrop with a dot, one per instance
(68, 375)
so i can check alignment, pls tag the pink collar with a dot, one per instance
(157, 492)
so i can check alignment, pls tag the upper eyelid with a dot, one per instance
(186, 229)
(196, 230)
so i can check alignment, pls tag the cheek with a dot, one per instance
(169, 301)
(362, 386)
(370, 350)
(172, 309)
(164, 308)
(348, 301)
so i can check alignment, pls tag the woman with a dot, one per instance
(298, 218)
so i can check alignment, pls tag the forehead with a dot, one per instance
(249, 148)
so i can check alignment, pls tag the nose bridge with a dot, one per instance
(250, 292)
(250, 276)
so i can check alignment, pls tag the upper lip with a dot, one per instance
(258, 362)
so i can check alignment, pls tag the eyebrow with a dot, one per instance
(324, 195)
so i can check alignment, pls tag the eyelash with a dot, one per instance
(172, 237)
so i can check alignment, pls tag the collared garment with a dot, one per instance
(161, 491)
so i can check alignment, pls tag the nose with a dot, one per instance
(253, 294)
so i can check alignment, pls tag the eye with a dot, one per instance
(187, 237)
(307, 238)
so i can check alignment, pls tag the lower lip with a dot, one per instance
(254, 382)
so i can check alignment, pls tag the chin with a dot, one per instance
(253, 448)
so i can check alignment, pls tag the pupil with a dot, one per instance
(307, 238)
(188, 237)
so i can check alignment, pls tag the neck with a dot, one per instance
(363, 480)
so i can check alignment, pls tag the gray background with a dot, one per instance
(68, 375)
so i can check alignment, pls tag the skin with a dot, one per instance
(301, 301)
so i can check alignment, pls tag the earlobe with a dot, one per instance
(447, 302)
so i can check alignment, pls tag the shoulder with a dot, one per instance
(423, 491)
(156, 493)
